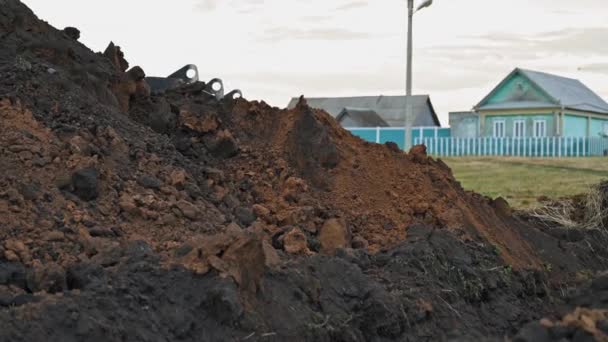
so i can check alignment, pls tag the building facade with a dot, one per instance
(535, 104)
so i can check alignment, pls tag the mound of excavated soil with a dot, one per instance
(131, 216)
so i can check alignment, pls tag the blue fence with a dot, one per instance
(439, 142)
(382, 135)
(516, 147)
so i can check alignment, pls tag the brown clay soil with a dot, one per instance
(138, 217)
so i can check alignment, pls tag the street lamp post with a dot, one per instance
(408, 85)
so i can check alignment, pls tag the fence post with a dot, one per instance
(585, 146)
(452, 144)
(501, 146)
(475, 147)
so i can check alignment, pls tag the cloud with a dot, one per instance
(351, 5)
(600, 68)
(574, 42)
(242, 6)
(315, 18)
(331, 34)
(206, 5)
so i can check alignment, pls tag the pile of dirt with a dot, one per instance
(588, 321)
(139, 216)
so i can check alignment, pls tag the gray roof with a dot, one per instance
(570, 93)
(362, 117)
(390, 108)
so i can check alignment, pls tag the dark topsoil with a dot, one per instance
(126, 216)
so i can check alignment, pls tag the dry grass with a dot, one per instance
(583, 212)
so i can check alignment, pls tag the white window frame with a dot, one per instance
(523, 128)
(544, 128)
(605, 128)
(494, 130)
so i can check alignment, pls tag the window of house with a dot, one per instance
(519, 128)
(540, 128)
(499, 129)
(605, 129)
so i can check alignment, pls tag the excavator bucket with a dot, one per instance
(186, 76)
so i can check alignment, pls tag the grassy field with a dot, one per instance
(521, 181)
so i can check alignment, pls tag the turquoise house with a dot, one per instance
(532, 104)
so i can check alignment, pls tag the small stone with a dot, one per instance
(271, 256)
(11, 256)
(420, 208)
(51, 71)
(193, 190)
(245, 216)
(178, 178)
(360, 243)
(128, 205)
(54, 236)
(50, 278)
(198, 123)
(222, 145)
(295, 242)
(261, 211)
(85, 183)
(30, 192)
(214, 174)
(63, 181)
(72, 32)
(168, 219)
(14, 197)
(334, 235)
(418, 150)
(188, 209)
(19, 249)
(231, 201)
(101, 232)
(545, 322)
(149, 182)
(233, 229)
(502, 206)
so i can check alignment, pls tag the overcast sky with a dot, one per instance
(277, 49)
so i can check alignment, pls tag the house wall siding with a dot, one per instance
(549, 118)
(575, 126)
(464, 125)
(517, 88)
(597, 127)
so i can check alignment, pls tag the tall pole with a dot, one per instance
(410, 16)
(408, 77)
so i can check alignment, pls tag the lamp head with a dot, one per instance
(426, 3)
